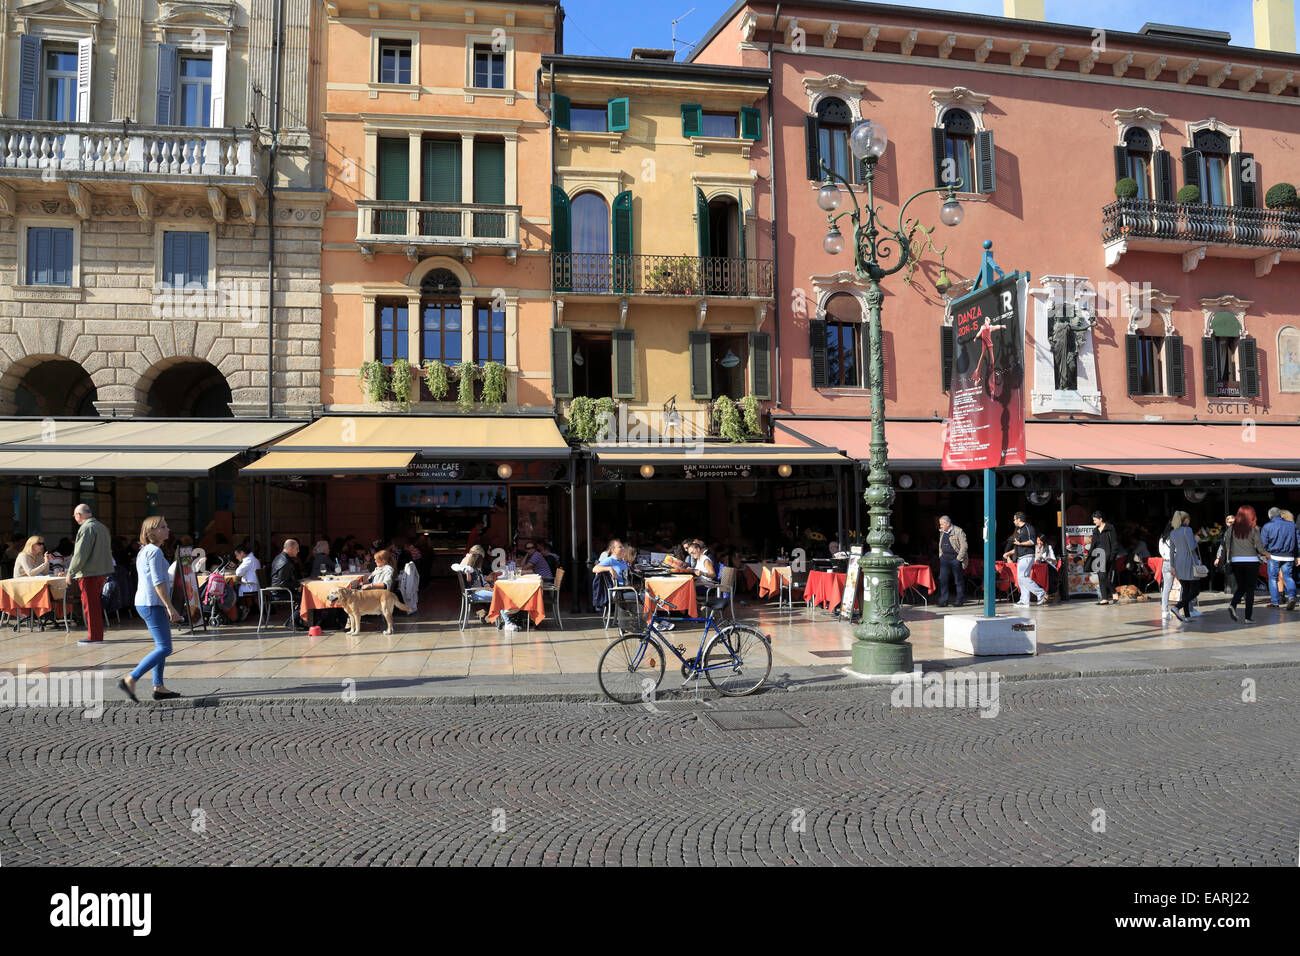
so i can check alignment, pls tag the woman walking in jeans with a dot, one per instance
(154, 604)
(1244, 552)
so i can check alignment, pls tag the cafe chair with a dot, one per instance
(725, 588)
(467, 599)
(788, 587)
(268, 597)
(554, 588)
(619, 592)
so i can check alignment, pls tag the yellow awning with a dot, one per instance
(505, 436)
(747, 453)
(328, 463)
(171, 464)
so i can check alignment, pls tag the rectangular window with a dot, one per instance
(185, 259)
(1226, 366)
(1151, 366)
(196, 91)
(60, 85)
(49, 256)
(1214, 180)
(440, 332)
(589, 119)
(845, 346)
(489, 67)
(489, 334)
(720, 124)
(958, 150)
(1139, 169)
(729, 355)
(391, 331)
(833, 143)
(395, 61)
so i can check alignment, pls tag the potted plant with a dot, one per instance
(1126, 188)
(587, 416)
(374, 378)
(1188, 194)
(436, 379)
(749, 412)
(1281, 196)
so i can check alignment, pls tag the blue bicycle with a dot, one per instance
(735, 658)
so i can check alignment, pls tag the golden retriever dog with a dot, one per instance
(357, 603)
(1128, 593)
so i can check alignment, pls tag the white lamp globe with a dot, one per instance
(951, 213)
(834, 242)
(828, 197)
(868, 139)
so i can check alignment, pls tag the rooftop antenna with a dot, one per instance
(675, 40)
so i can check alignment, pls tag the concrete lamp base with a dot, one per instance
(990, 636)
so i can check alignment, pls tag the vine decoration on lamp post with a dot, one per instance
(881, 646)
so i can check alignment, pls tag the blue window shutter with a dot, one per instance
(168, 63)
(61, 257)
(38, 256)
(171, 275)
(198, 260)
(29, 76)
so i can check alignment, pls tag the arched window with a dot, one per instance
(1137, 142)
(834, 120)
(440, 317)
(959, 146)
(590, 243)
(846, 343)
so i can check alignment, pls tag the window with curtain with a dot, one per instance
(61, 85)
(489, 334)
(391, 329)
(720, 124)
(846, 344)
(196, 91)
(1138, 143)
(833, 122)
(1151, 368)
(1214, 160)
(1226, 364)
(959, 146)
(588, 119)
(590, 243)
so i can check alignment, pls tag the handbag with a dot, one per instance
(1200, 571)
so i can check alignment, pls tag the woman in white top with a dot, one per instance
(32, 561)
(1167, 569)
(381, 578)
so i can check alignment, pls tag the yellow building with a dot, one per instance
(661, 247)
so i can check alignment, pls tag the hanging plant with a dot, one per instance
(465, 373)
(436, 379)
(494, 384)
(606, 411)
(749, 406)
(373, 376)
(726, 415)
(400, 382)
(582, 418)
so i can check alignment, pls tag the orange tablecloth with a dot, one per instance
(915, 575)
(316, 592)
(1157, 566)
(825, 588)
(677, 589)
(33, 594)
(521, 594)
(770, 583)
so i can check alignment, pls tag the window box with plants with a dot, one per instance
(737, 421)
(588, 419)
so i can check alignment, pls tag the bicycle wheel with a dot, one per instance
(629, 675)
(738, 660)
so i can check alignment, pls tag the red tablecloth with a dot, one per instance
(915, 575)
(1038, 571)
(1157, 566)
(825, 588)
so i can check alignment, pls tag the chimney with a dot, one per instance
(1023, 9)
(1274, 25)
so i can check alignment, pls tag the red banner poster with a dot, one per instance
(986, 403)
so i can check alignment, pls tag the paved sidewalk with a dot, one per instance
(429, 658)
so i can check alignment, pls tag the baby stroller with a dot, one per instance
(218, 601)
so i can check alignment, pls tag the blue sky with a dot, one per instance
(602, 28)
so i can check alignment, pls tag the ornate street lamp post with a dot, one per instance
(881, 646)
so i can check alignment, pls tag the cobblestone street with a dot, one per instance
(1184, 770)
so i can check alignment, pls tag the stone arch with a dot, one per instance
(186, 387)
(415, 278)
(67, 386)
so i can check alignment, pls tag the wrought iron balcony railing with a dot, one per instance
(426, 223)
(603, 273)
(1201, 224)
(89, 148)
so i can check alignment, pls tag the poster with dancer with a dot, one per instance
(986, 402)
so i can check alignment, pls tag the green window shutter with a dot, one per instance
(1175, 373)
(751, 123)
(559, 111)
(562, 363)
(1133, 361)
(1121, 163)
(394, 169)
(1243, 180)
(760, 365)
(702, 220)
(692, 119)
(440, 170)
(986, 177)
(489, 172)
(624, 344)
(940, 155)
(561, 264)
(1210, 356)
(1248, 367)
(817, 350)
(947, 353)
(812, 148)
(616, 115)
(1192, 168)
(1164, 167)
(622, 241)
(701, 366)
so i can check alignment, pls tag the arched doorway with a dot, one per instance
(190, 389)
(55, 387)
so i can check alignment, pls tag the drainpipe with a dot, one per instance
(772, 169)
(277, 55)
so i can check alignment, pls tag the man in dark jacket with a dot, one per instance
(1104, 548)
(284, 574)
(1279, 538)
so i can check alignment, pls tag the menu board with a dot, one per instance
(1078, 538)
(851, 584)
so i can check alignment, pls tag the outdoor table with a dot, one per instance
(316, 591)
(771, 579)
(676, 589)
(825, 588)
(36, 594)
(753, 573)
(916, 577)
(523, 593)
(1038, 571)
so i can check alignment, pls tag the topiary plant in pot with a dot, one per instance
(1126, 188)
(1188, 194)
(1281, 196)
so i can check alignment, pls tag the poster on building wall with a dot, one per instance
(986, 403)
(1078, 537)
(531, 513)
